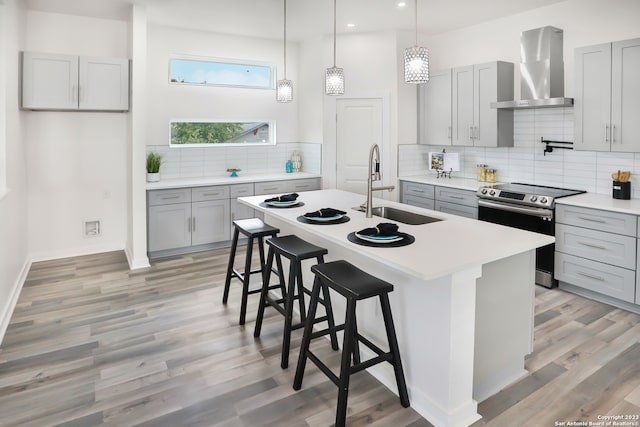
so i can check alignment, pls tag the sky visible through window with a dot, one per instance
(219, 73)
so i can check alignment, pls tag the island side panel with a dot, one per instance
(504, 323)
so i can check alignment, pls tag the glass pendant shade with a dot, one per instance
(334, 82)
(284, 91)
(416, 65)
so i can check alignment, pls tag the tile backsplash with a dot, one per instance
(526, 161)
(194, 162)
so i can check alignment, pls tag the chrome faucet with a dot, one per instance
(374, 175)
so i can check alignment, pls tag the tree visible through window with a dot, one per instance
(216, 133)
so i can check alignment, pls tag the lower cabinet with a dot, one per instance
(210, 222)
(596, 250)
(415, 194)
(453, 201)
(169, 226)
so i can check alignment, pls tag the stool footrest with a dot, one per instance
(371, 345)
(327, 331)
(333, 377)
(386, 357)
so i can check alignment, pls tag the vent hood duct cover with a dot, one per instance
(541, 71)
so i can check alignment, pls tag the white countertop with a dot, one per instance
(226, 180)
(602, 201)
(441, 248)
(454, 182)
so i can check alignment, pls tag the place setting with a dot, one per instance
(385, 234)
(282, 202)
(324, 216)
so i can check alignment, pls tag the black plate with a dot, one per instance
(297, 205)
(304, 220)
(407, 240)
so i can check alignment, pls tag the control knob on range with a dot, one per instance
(492, 193)
(533, 198)
(543, 200)
(483, 191)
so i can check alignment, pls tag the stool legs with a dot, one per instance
(306, 336)
(393, 345)
(232, 257)
(345, 365)
(245, 281)
(329, 312)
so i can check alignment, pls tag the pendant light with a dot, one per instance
(334, 80)
(284, 87)
(416, 60)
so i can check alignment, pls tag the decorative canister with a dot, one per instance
(482, 172)
(296, 159)
(491, 175)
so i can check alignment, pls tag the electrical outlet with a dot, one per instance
(92, 228)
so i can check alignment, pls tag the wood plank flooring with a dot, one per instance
(92, 343)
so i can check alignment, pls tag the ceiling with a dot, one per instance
(306, 18)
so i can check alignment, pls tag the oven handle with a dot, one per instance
(539, 212)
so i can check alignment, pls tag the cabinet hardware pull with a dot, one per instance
(170, 197)
(449, 132)
(80, 94)
(455, 197)
(418, 191)
(599, 221)
(194, 224)
(270, 188)
(476, 132)
(591, 276)
(189, 224)
(606, 134)
(613, 134)
(211, 194)
(592, 245)
(471, 132)
(74, 93)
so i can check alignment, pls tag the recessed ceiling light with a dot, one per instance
(351, 25)
(402, 4)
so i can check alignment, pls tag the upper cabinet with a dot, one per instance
(434, 109)
(455, 106)
(607, 97)
(69, 82)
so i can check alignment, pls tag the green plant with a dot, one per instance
(153, 162)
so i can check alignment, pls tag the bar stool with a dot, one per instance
(295, 250)
(354, 284)
(254, 229)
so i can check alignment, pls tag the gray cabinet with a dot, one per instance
(434, 109)
(596, 250)
(416, 194)
(474, 88)
(238, 210)
(456, 201)
(71, 82)
(607, 97)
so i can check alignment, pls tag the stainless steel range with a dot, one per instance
(528, 207)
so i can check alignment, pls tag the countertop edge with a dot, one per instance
(227, 180)
(602, 202)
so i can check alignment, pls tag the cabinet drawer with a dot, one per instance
(240, 190)
(612, 222)
(454, 195)
(216, 192)
(305, 184)
(421, 202)
(270, 187)
(606, 279)
(597, 245)
(456, 209)
(168, 197)
(418, 190)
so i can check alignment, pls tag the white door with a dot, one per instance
(359, 125)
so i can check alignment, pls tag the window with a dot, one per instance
(216, 133)
(220, 73)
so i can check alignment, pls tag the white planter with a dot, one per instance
(153, 177)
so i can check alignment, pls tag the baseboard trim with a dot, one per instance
(7, 311)
(134, 263)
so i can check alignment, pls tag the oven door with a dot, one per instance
(538, 220)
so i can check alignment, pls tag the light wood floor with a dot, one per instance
(91, 343)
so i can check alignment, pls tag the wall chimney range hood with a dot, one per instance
(541, 71)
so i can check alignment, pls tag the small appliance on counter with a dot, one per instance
(621, 185)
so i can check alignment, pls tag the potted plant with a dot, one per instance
(153, 166)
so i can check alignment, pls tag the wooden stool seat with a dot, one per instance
(354, 284)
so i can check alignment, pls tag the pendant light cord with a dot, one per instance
(416, 18)
(334, 33)
(285, 39)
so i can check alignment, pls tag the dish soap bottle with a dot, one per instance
(289, 166)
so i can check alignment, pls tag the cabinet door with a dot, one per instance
(211, 222)
(104, 84)
(625, 96)
(169, 226)
(485, 118)
(592, 102)
(434, 109)
(49, 81)
(241, 211)
(462, 106)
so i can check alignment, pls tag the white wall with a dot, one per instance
(14, 257)
(585, 22)
(167, 101)
(76, 161)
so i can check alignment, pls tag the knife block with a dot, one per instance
(622, 190)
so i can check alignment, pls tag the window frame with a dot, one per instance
(217, 60)
(272, 134)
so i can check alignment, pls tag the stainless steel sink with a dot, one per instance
(399, 215)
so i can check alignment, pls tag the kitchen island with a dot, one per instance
(463, 300)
